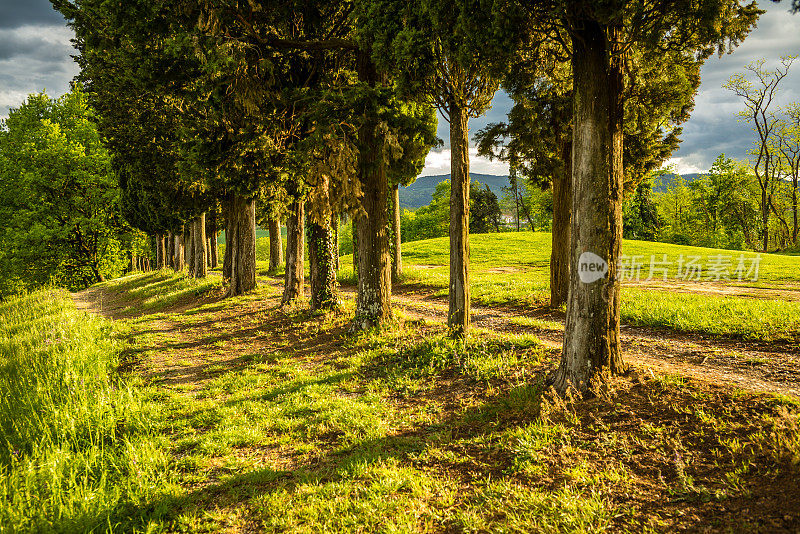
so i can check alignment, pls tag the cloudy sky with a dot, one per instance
(35, 55)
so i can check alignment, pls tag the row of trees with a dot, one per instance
(323, 107)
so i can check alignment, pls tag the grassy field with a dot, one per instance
(232, 415)
(78, 449)
(513, 269)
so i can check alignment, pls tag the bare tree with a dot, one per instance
(759, 97)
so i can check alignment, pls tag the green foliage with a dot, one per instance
(58, 198)
(484, 211)
(718, 209)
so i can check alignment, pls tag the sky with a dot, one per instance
(35, 55)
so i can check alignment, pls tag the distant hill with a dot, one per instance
(420, 192)
(663, 182)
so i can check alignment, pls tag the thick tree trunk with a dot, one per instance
(189, 236)
(591, 338)
(134, 264)
(559, 255)
(355, 247)
(294, 273)
(200, 250)
(321, 266)
(275, 244)
(458, 318)
(373, 304)
(335, 230)
(242, 243)
(397, 259)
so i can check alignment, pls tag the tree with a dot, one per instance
(758, 100)
(58, 212)
(789, 154)
(485, 210)
(440, 54)
(596, 37)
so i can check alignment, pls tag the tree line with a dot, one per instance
(239, 111)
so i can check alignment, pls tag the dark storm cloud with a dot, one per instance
(16, 13)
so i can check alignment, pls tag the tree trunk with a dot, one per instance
(373, 304)
(190, 239)
(275, 244)
(227, 206)
(134, 265)
(162, 251)
(591, 337)
(212, 250)
(242, 244)
(397, 259)
(560, 251)
(764, 220)
(187, 246)
(294, 274)
(794, 211)
(335, 230)
(321, 266)
(458, 319)
(200, 254)
(179, 252)
(170, 259)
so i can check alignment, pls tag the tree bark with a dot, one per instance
(373, 304)
(187, 246)
(212, 250)
(458, 319)
(560, 251)
(242, 243)
(335, 230)
(294, 273)
(764, 221)
(200, 250)
(397, 259)
(170, 259)
(321, 267)
(179, 252)
(275, 244)
(591, 338)
(227, 207)
(162, 251)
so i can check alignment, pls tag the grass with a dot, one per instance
(77, 448)
(255, 418)
(513, 269)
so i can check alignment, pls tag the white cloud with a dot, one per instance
(438, 162)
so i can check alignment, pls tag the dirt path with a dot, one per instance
(760, 367)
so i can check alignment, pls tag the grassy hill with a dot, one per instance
(420, 192)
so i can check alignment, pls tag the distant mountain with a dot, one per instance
(663, 182)
(420, 192)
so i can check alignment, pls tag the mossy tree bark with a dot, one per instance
(397, 258)
(321, 267)
(562, 216)
(241, 240)
(458, 319)
(294, 274)
(373, 304)
(179, 252)
(591, 339)
(275, 244)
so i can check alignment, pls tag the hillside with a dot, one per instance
(420, 192)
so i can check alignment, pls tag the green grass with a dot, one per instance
(77, 450)
(279, 421)
(513, 269)
(157, 290)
